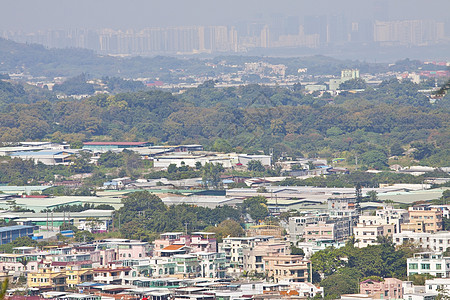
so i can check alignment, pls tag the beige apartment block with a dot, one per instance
(423, 219)
(293, 268)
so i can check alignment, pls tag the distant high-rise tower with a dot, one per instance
(292, 26)
(317, 25)
(265, 37)
(381, 10)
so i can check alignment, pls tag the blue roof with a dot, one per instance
(16, 227)
(86, 284)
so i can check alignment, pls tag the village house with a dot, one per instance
(389, 288)
(233, 248)
(253, 256)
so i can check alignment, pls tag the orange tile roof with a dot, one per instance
(172, 247)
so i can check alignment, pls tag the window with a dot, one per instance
(425, 266)
(438, 267)
(413, 266)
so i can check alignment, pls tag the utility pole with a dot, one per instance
(186, 226)
(277, 209)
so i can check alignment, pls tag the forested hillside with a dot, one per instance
(249, 118)
(40, 61)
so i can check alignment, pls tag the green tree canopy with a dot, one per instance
(256, 207)
(227, 228)
(255, 165)
(375, 159)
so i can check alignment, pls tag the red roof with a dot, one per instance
(115, 143)
(173, 247)
(65, 263)
(108, 270)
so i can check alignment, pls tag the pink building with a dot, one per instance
(125, 249)
(197, 242)
(12, 264)
(166, 239)
(390, 288)
(104, 257)
(100, 255)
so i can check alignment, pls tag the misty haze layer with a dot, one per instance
(136, 14)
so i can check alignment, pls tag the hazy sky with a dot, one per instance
(31, 15)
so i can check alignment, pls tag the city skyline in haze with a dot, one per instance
(29, 15)
(345, 28)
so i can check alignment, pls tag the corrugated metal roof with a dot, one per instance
(114, 143)
(16, 227)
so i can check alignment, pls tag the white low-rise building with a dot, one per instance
(366, 235)
(438, 285)
(438, 241)
(429, 263)
(179, 159)
(309, 248)
(420, 296)
(391, 215)
(297, 224)
(233, 248)
(244, 159)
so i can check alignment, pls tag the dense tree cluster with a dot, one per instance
(118, 85)
(248, 118)
(353, 84)
(23, 241)
(144, 214)
(354, 178)
(256, 207)
(340, 270)
(75, 86)
(79, 207)
(16, 171)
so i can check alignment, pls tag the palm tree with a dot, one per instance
(4, 288)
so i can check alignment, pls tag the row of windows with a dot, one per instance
(414, 266)
(441, 241)
(321, 232)
(424, 217)
(40, 279)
